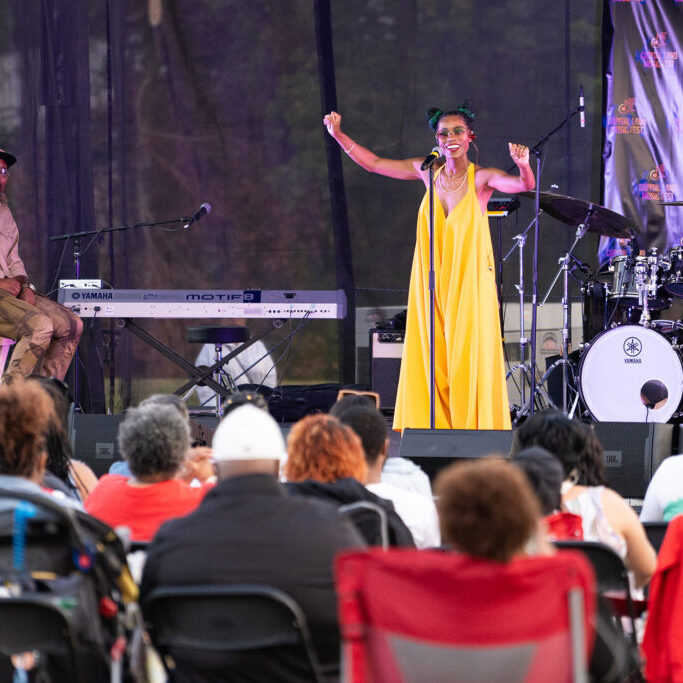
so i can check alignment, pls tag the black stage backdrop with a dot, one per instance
(644, 120)
(139, 111)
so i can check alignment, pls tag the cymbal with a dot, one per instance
(670, 203)
(574, 211)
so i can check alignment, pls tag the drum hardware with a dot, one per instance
(523, 367)
(568, 262)
(672, 265)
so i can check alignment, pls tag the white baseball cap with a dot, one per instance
(248, 433)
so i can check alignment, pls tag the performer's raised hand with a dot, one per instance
(332, 122)
(519, 154)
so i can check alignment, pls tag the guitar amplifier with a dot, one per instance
(386, 349)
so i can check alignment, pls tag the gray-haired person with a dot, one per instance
(154, 440)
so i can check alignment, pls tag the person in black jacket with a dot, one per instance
(326, 461)
(248, 531)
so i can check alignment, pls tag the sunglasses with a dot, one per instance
(372, 396)
(445, 132)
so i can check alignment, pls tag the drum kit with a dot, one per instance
(630, 366)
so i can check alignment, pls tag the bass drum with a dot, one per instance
(631, 374)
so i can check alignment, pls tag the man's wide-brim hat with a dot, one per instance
(8, 158)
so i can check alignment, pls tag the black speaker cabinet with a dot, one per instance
(434, 449)
(386, 349)
(93, 440)
(632, 452)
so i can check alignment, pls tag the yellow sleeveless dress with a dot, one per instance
(471, 392)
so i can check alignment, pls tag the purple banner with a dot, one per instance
(643, 164)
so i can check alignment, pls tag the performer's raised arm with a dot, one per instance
(403, 169)
(503, 182)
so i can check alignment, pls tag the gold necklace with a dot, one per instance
(442, 184)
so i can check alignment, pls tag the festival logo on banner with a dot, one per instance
(625, 120)
(654, 186)
(677, 125)
(657, 53)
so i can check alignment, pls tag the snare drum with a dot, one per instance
(624, 283)
(631, 374)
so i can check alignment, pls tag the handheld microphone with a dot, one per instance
(430, 159)
(204, 209)
(582, 108)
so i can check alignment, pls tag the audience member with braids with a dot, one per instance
(26, 414)
(63, 473)
(470, 372)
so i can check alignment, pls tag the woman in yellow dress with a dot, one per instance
(469, 368)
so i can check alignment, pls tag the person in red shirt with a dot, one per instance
(154, 439)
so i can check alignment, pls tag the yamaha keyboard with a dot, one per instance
(200, 303)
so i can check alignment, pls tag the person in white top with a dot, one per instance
(606, 516)
(417, 511)
(254, 365)
(664, 495)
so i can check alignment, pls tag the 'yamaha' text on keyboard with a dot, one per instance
(199, 303)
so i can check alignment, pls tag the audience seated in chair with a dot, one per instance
(27, 414)
(248, 530)
(154, 440)
(417, 511)
(488, 510)
(397, 471)
(606, 516)
(325, 461)
(73, 477)
(544, 473)
(664, 495)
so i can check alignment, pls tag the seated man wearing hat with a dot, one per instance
(247, 530)
(46, 333)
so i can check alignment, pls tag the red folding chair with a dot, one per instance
(663, 640)
(424, 616)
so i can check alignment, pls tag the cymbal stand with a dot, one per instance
(523, 367)
(567, 263)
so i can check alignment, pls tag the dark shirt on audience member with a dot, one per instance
(346, 491)
(248, 530)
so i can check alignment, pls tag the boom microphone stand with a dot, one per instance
(78, 252)
(538, 150)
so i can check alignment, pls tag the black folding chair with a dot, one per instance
(60, 567)
(610, 572)
(365, 513)
(655, 533)
(32, 623)
(230, 632)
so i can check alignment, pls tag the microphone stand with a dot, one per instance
(432, 295)
(77, 253)
(76, 236)
(538, 150)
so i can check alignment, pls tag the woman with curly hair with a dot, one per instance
(469, 367)
(325, 460)
(605, 515)
(26, 415)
